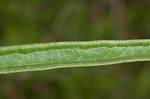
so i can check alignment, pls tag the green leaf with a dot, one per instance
(71, 54)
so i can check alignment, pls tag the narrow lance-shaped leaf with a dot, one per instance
(71, 54)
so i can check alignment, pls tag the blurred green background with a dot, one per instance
(41, 21)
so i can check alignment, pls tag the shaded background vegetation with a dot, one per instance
(40, 21)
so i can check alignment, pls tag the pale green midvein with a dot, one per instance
(71, 54)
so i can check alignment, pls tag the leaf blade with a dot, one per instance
(71, 54)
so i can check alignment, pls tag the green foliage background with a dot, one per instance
(40, 21)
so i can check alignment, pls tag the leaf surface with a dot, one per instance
(71, 54)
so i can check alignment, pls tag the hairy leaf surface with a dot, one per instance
(71, 54)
